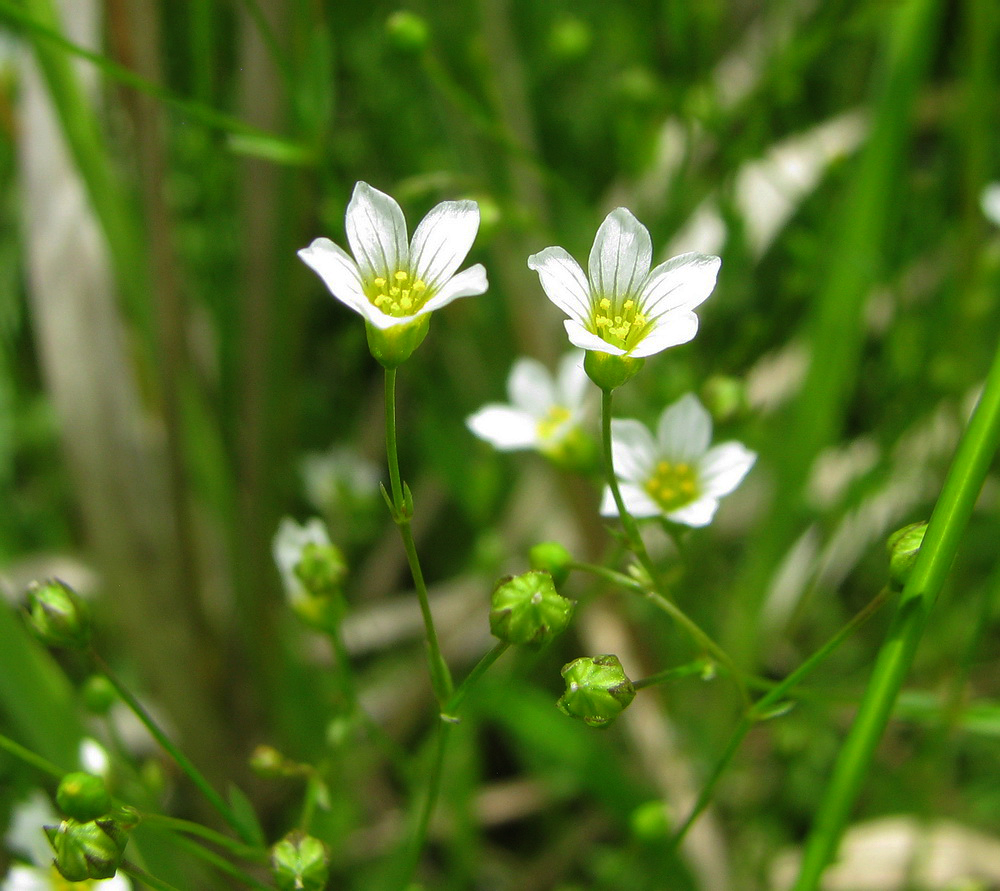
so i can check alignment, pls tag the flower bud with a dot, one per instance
(85, 851)
(553, 558)
(83, 796)
(99, 694)
(321, 569)
(58, 615)
(608, 371)
(903, 546)
(725, 397)
(526, 609)
(597, 690)
(300, 862)
(407, 31)
(268, 762)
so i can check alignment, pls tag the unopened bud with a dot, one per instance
(92, 850)
(725, 397)
(83, 796)
(903, 547)
(300, 862)
(58, 615)
(597, 690)
(99, 694)
(553, 558)
(268, 762)
(527, 609)
(407, 31)
(321, 569)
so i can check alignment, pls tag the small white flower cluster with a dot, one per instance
(622, 310)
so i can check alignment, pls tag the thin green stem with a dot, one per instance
(402, 514)
(770, 700)
(419, 838)
(29, 757)
(672, 674)
(221, 864)
(480, 668)
(141, 875)
(187, 827)
(179, 757)
(951, 514)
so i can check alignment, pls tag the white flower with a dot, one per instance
(543, 413)
(289, 542)
(676, 475)
(626, 309)
(26, 837)
(990, 202)
(390, 282)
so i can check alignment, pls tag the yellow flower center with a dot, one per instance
(398, 295)
(672, 485)
(553, 420)
(620, 324)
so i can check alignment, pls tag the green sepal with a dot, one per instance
(393, 346)
(608, 371)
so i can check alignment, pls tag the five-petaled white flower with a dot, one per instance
(677, 475)
(544, 413)
(389, 281)
(626, 308)
(290, 541)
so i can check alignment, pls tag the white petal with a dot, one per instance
(563, 281)
(632, 450)
(376, 232)
(990, 203)
(587, 340)
(468, 283)
(503, 427)
(670, 330)
(685, 281)
(723, 467)
(442, 241)
(339, 272)
(383, 321)
(620, 257)
(684, 430)
(25, 835)
(118, 882)
(637, 502)
(27, 878)
(287, 547)
(572, 383)
(530, 389)
(697, 513)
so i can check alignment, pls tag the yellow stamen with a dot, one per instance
(672, 485)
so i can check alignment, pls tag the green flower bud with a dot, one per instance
(83, 796)
(597, 690)
(526, 609)
(393, 346)
(58, 615)
(85, 851)
(650, 822)
(300, 862)
(903, 547)
(407, 31)
(570, 39)
(268, 762)
(725, 397)
(608, 371)
(99, 694)
(553, 558)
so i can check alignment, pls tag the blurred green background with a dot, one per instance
(173, 380)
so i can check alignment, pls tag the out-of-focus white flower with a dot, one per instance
(393, 284)
(990, 203)
(94, 757)
(339, 475)
(676, 475)
(289, 542)
(26, 837)
(626, 308)
(544, 413)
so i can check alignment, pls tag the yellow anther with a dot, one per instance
(406, 303)
(419, 285)
(687, 487)
(663, 467)
(681, 469)
(401, 276)
(602, 321)
(605, 304)
(394, 291)
(378, 301)
(628, 304)
(379, 282)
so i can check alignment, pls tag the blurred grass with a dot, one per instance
(235, 134)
